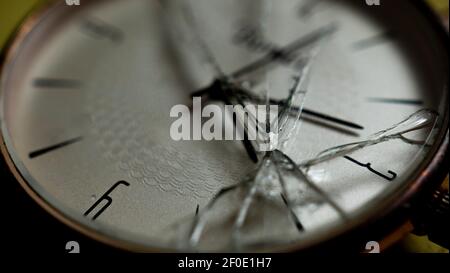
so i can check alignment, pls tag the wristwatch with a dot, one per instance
(109, 114)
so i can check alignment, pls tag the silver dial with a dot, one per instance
(87, 93)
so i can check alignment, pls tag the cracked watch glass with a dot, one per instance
(86, 94)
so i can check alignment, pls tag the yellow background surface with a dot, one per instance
(13, 11)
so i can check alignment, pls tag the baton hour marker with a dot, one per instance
(45, 150)
(56, 83)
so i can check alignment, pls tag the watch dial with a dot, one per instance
(87, 94)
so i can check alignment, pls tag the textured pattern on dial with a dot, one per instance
(126, 137)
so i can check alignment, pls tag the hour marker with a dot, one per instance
(56, 83)
(54, 147)
(397, 101)
(99, 29)
(105, 197)
(197, 209)
(373, 41)
(390, 176)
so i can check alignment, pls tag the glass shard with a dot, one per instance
(421, 119)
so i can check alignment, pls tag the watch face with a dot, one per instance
(115, 116)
